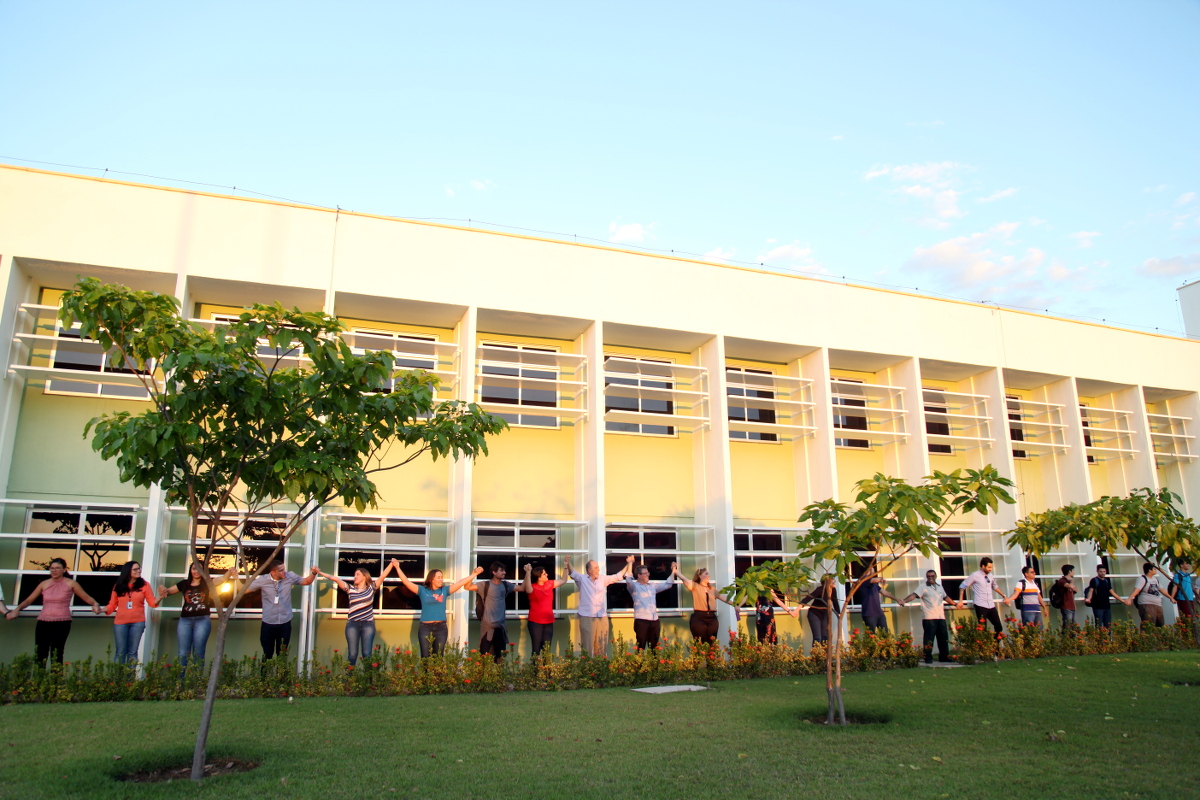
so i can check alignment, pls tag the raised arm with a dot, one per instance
(341, 584)
(468, 582)
(393, 564)
(313, 571)
(885, 593)
(408, 584)
(526, 586)
(675, 571)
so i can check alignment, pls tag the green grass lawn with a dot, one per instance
(961, 733)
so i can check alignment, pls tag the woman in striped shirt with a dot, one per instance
(360, 617)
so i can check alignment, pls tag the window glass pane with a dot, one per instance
(55, 521)
(618, 594)
(741, 541)
(541, 422)
(534, 537)
(395, 597)
(660, 540)
(496, 537)
(411, 535)
(75, 354)
(39, 554)
(740, 565)
(660, 570)
(622, 540)
(102, 556)
(768, 541)
(360, 533)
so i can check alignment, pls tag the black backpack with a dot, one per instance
(1058, 595)
(480, 599)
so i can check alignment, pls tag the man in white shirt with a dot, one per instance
(933, 616)
(593, 605)
(983, 594)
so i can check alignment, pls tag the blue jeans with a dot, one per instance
(1103, 617)
(1031, 616)
(1068, 617)
(193, 638)
(129, 638)
(363, 631)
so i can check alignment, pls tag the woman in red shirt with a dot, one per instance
(129, 599)
(540, 589)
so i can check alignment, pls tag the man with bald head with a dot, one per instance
(593, 605)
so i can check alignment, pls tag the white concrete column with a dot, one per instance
(1069, 481)
(17, 288)
(589, 446)
(308, 594)
(815, 457)
(154, 558)
(461, 475)
(908, 458)
(1184, 475)
(997, 453)
(712, 477)
(1137, 470)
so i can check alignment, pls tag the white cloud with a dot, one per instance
(1036, 221)
(1000, 195)
(1185, 198)
(482, 186)
(630, 233)
(933, 183)
(1162, 187)
(1084, 238)
(1171, 267)
(837, 138)
(787, 254)
(992, 265)
(449, 190)
(720, 254)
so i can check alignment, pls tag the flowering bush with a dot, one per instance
(390, 672)
(975, 642)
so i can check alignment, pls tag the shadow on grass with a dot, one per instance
(174, 763)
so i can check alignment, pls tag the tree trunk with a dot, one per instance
(214, 675)
(829, 665)
(838, 666)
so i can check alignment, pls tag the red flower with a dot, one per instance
(466, 680)
(376, 664)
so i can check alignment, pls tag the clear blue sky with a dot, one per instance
(1045, 155)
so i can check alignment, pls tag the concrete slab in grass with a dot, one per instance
(668, 689)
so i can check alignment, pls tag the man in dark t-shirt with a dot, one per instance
(1099, 594)
(494, 594)
(870, 601)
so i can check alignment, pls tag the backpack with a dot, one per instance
(480, 599)
(1058, 595)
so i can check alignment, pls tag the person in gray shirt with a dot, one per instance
(494, 594)
(276, 587)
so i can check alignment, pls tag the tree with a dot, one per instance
(893, 519)
(272, 411)
(1147, 522)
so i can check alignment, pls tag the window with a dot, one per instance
(752, 546)
(372, 543)
(259, 535)
(937, 427)
(71, 351)
(847, 421)
(655, 547)
(521, 395)
(514, 545)
(1015, 432)
(743, 411)
(952, 565)
(95, 543)
(1087, 437)
(290, 357)
(639, 403)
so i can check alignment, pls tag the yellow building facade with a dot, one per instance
(669, 408)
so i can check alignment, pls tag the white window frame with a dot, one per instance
(639, 381)
(518, 420)
(738, 391)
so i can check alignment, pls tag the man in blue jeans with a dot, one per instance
(1099, 596)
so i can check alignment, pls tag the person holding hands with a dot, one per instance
(1099, 595)
(593, 605)
(646, 624)
(360, 608)
(933, 616)
(703, 623)
(539, 586)
(432, 594)
(1028, 597)
(129, 599)
(276, 586)
(54, 621)
(195, 620)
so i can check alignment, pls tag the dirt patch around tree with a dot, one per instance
(218, 766)
(851, 719)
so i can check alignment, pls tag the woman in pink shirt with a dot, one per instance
(54, 622)
(129, 599)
